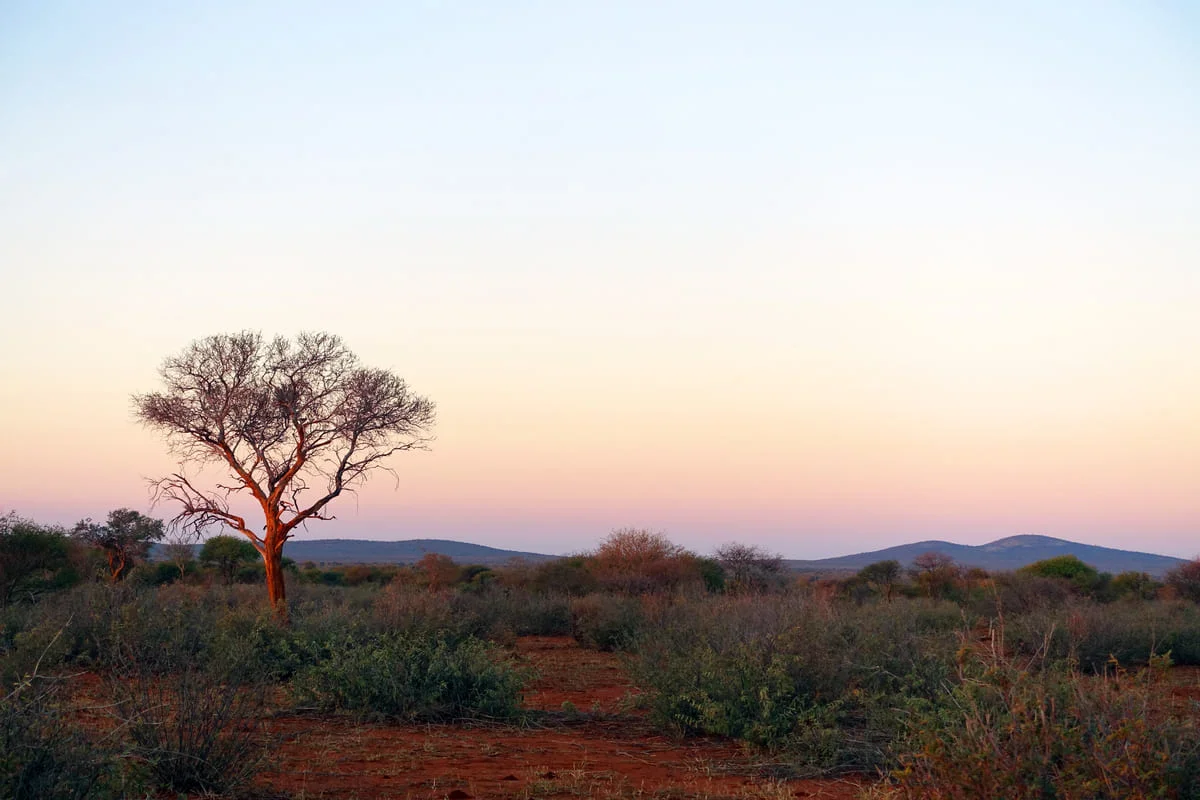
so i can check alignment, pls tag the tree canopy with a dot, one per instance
(293, 423)
(125, 538)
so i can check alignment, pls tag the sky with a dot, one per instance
(820, 277)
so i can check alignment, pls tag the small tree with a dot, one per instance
(634, 560)
(749, 568)
(227, 554)
(437, 571)
(1083, 577)
(125, 539)
(935, 573)
(882, 576)
(181, 554)
(1185, 579)
(294, 424)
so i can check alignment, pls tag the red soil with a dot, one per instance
(613, 754)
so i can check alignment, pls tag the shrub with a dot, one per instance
(1018, 731)
(42, 756)
(33, 560)
(414, 677)
(826, 687)
(606, 621)
(1185, 579)
(195, 730)
(569, 576)
(1092, 635)
(641, 562)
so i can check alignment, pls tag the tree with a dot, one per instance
(226, 554)
(640, 561)
(1083, 577)
(749, 568)
(293, 424)
(437, 571)
(935, 572)
(125, 539)
(33, 559)
(882, 576)
(181, 554)
(1185, 579)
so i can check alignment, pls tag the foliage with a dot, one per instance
(1084, 578)
(1091, 635)
(43, 756)
(1018, 730)
(436, 572)
(749, 569)
(227, 554)
(566, 575)
(1185, 580)
(606, 621)
(637, 561)
(125, 538)
(882, 576)
(935, 574)
(196, 730)
(1134, 586)
(33, 559)
(414, 677)
(827, 689)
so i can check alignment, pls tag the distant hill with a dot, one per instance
(365, 551)
(1011, 553)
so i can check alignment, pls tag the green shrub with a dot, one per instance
(826, 687)
(1018, 731)
(607, 621)
(1093, 635)
(414, 676)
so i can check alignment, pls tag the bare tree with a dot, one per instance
(749, 568)
(293, 424)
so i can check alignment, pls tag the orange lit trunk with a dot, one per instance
(116, 565)
(273, 564)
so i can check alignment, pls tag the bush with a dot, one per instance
(642, 562)
(33, 560)
(1093, 635)
(1081, 577)
(826, 687)
(414, 677)
(1018, 731)
(195, 730)
(607, 622)
(42, 756)
(1185, 580)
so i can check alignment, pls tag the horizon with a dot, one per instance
(818, 279)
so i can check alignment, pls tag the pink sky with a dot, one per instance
(819, 280)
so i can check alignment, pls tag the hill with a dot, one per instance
(364, 551)
(1010, 553)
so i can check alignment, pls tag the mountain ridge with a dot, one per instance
(1008, 553)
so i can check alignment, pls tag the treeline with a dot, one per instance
(37, 558)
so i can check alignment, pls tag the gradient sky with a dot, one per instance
(823, 277)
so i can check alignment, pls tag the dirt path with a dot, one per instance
(611, 754)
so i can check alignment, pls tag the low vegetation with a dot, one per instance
(938, 681)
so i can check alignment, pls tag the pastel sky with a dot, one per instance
(823, 277)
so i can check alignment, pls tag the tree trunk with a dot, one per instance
(273, 563)
(116, 565)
